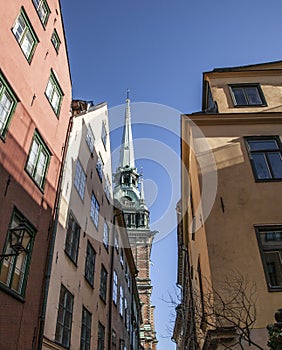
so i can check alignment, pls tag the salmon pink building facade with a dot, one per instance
(35, 98)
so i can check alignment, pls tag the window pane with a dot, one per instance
(64, 318)
(32, 157)
(27, 44)
(275, 164)
(72, 238)
(19, 28)
(54, 93)
(239, 96)
(261, 166)
(90, 264)
(262, 145)
(274, 267)
(55, 100)
(49, 89)
(6, 104)
(80, 179)
(40, 170)
(253, 95)
(14, 269)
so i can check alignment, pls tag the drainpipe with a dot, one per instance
(111, 288)
(110, 303)
(53, 239)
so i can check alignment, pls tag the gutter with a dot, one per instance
(53, 239)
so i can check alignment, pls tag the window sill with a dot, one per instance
(250, 106)
(11, 292)
(70, 258)
(274, 289)
(89, 283)
(267, 180)
(36, 184)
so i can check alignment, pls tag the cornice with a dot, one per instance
(233, 118)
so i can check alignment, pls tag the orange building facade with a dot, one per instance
(229, 234)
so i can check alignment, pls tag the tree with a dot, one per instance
(222, 316)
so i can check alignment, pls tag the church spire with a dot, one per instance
(127, 151)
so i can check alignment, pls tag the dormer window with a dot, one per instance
(247, 95)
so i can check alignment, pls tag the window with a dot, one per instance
(101, 337)
(72, 239)
(270, 243)
(14, 269)
(54, 93)
(247, 95)
(103, 283)
(55, 40)
(43, 10)
(107, 188)
(38, 160)
(106, 234)
(121, 300)
(121, 257)
(90, 139)
(104, 134)
(85, 336)
(94, 210)
(115, 287)
(79, 179)
(116, 240)
(265, 155)
(99, 167)
(125, 311)
(8, 104)
(90, 264)
(121, 345)
(25, 35)
(114, 340)
(64, 318)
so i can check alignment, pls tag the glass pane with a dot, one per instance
(40, 170)
(261, 166)
(274, 267)
(253, 95)
(262, 145)
(27, 44)
(42, 12)
(5, 107)
(55, 100)
(239, 96)
(19, 272)
(36, 3)
(49, 89)
(32, 157)
(19, 28)
(275, 161)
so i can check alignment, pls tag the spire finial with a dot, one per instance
(127, 94)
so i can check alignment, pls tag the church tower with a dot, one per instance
(129, 193)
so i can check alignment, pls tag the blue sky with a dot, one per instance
(159, 49)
